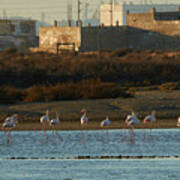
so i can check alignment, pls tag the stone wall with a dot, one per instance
(50, 36)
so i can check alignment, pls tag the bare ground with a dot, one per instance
(165, 103)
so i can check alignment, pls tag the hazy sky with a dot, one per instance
(53, 9)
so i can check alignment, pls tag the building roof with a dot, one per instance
(167, 15)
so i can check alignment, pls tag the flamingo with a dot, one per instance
(178, 123)
(149, 119)
(10, 123)
(44, 120)
(105, 123)
(132, 121)
(84, 118)
(55, 122)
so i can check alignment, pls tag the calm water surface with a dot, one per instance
(32, 156)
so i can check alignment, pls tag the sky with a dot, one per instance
(49, 10)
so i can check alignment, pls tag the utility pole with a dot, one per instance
(86, 10)
(43, 17)
(4, 14)
(69, 10)
(111, 12)
(79, 10)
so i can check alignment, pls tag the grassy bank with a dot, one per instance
(165, 103)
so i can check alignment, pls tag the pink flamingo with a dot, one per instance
(131, 121)
(10, 123)
(44, 120)
(178, 123)
(105, 123)
(149, 120)
(84, 118)
(53, 123)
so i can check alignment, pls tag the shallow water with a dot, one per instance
(90, 169)
(71, 155)
(69, 144)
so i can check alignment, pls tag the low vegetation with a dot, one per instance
(41, 77)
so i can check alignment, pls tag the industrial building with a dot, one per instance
(151, 30)
(167, 23)
(20, 34)
(113, 13)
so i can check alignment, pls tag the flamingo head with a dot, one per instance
(153, 112)
(16, 117)
(47, 112)
(83, 110)
(57, 114)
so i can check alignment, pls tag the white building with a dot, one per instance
(110, 14)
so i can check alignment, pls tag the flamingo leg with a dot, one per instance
(82, 139)
(52, 135)
(107, 134)
(9, 137)
(59, 136)
(125, 139)
(131, 134)
(144, 131)
(45, 137)
(101, 136)
(151, 130)
(44, 130)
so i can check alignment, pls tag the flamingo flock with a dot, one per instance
(131, 122)
(52, 123)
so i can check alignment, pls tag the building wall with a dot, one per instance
(5, 28)
(119, 11)
(112, 38)
(20, 34)
(50, 36)
(148, 21)
(105, 15)
(106, 38)
(18, 27)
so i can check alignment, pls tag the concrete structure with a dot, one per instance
(17, 33)
(167, 23)
(105, 38)
(152, 30)
(110, 15)
(49, 37)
